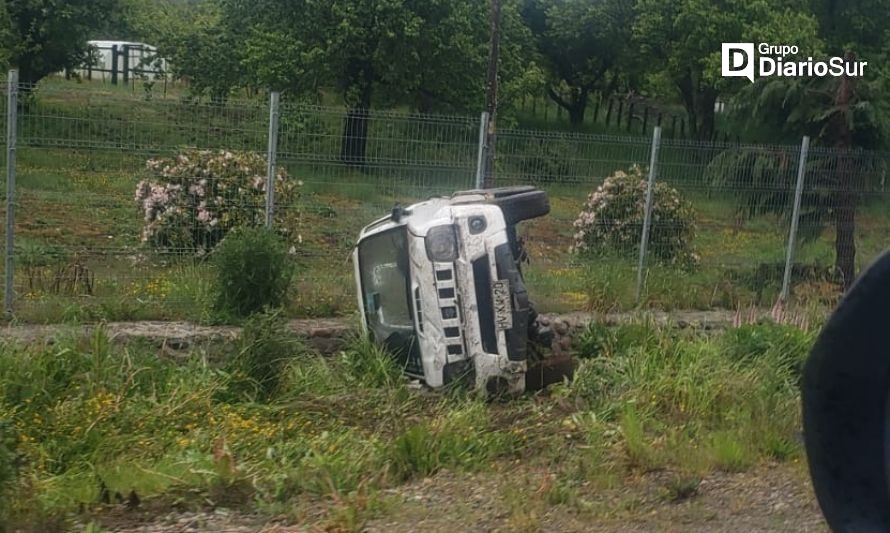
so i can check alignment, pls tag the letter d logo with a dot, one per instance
(737, 60)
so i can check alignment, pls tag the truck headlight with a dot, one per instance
(441, 244)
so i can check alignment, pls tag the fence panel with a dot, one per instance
(571, 167)
(354, 168)
(83, 240)
(839, 182)
(93, 243)
(743, 197)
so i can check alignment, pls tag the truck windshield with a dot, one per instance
(385, 286)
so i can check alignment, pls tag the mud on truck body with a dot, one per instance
(440, 286)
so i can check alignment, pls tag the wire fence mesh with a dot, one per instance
(120, 197)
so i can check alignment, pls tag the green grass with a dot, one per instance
(89, 416)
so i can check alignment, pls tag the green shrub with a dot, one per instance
(253, 272)
(263, 352)
(461, 440)
(370, 365)
(596, 340)
(201, 195)
(786, 344)
(611, 220)
(601, 340)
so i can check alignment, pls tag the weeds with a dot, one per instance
(263, 351)
(462, 439)
(274, 425)
(696, 404)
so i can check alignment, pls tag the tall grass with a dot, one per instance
(697, 404)
(262, 421)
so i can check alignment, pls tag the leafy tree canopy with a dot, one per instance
(585, 46)
(683, 39)
(46, 36)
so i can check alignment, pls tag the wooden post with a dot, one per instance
(114, 64)
(620, 112)
(126, 67)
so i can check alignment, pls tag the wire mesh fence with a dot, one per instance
(120, 199)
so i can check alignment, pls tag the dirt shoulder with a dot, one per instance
(326, 334)
(771, 498)
(777, 498)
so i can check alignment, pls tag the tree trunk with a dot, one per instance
(576, 112)
(844, 243)
(845, 211)
(699, 102)
(354, 139)
(575, 104)
(704, 113)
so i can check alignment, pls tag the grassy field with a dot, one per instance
(82, 149)
(264, 425)
(96, 433)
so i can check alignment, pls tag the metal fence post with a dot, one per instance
(795, 216)
(480, 154)
(647, 214)
(12, 88)
(271, 155)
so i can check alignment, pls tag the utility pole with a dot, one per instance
(491, 96)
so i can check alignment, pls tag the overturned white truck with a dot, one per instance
(440, 285)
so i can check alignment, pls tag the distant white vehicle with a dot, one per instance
(123, 60)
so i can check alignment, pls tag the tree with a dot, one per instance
(430, 53)
(683, 39)
(845, 114)
(5, 37)
(584, 44)
(48, 36)
(199, 42)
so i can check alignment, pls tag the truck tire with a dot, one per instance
(523, 205)
(846, 407)
(501, 192)
(498, 192)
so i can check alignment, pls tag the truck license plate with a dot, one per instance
(503, 311)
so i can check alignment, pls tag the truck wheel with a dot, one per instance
(523, 205)
(846, 407)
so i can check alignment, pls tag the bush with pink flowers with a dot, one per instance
(611, 221)
(200, 195)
